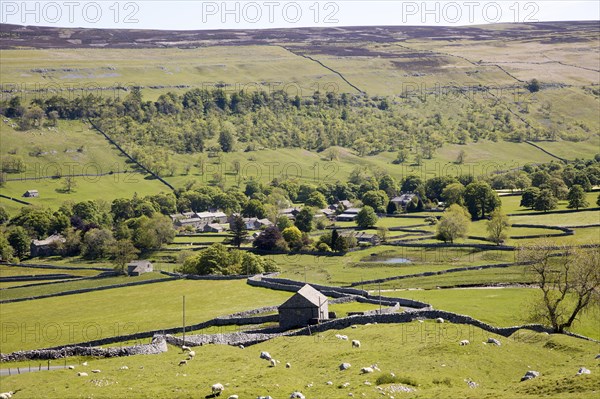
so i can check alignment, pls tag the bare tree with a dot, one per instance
(569, 279)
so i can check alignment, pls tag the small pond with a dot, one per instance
(387, 260)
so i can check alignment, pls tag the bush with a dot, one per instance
(393, 379)
(446, 381)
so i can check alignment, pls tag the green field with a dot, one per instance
(424, 354)
(501, 307)
(129, 310)
(47, 289)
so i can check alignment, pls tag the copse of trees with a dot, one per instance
(454, 224)
(217, 259)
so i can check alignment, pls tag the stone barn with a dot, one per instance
(307, 306)
(137, 267)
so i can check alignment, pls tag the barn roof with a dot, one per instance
(308, 293)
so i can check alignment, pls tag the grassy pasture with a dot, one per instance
(127, 310)
(27, 292)
(502, 307)
(424, 354)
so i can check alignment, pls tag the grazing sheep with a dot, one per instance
(71, 367)
(329, 383)
(464, 342)
(355, 343)
(493, 341)
(241, 346)
(82, 374)
(297, 395)
(95, 371)
(191, 355)
(288, 366)
(84, 363)
(124, 368)
(530, 375)
(273, 362)
(583, 370)
(366, 370)
(183, 362)
(375, 367)
(345, 366)
(233, 397)
(217, 389)
(185, 348)
(6, 395)
(345, 384)
(439, 320)
(265, 355)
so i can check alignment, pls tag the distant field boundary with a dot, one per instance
(546, 151)
(130, 157)
(84, 290)
(43, 266)
(538, 213)
(15, 199)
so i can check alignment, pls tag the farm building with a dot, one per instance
(307, 306)
(402, 200)
(367, 238)
(213, 228)
(212, 217)
(349, 215)
(290, 213)
(137, 267)
(47, 246)
(31, 194)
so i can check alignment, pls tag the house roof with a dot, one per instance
(31, 191)
(310, 294)
(49, 240)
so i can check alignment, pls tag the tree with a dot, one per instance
(283, 222)
(69, 184)
(304, 219)
(545, 201)
(97, 243)
(238, 230)
(376, 199)
(152, 232)
(569, 283)
(366, 217)
(382, 232)
(480, 199)
(453, 194)
(122, 252)
(6, 250)
(316, 199)
(293, 237)
(255, 208)
(529, 197)
(411, 183)
(577, 198)
(3, 215)
(19, 240)
(454, 224)
(270, 239)
(533, 85)
(497, 226)
(226, 140)
(460, 158)
(335, 236)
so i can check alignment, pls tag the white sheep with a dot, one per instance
(375, 367)
(355, 343)
(366, 370)
(233, 397)
(71, 367)
(464, 342)
(95, 371)
(265, 355)
(84, 363)
(297, 395)
(124, 368)
(217, 389)
(6, 395)
(439, 320)
(288, 366)
(183, 362)
(191, 355)
(273, 362)
(185, 348)
(82, 374)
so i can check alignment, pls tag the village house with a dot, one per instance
(307, 306)
(212, 217)
(362, 237)
(290, 213)
(46, 247)
(137, 267)
(402, 200)
(31, 194)
(213, 228)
